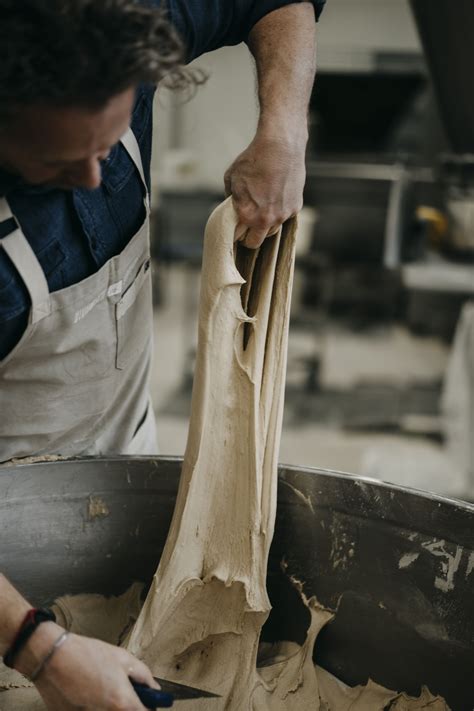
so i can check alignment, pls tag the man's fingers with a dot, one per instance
(254, 238)
(126, 700)
(139, 672)
(273, 230)
(240, 232)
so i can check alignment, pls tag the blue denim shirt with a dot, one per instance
(73, 233)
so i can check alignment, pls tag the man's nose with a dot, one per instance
(87, 174)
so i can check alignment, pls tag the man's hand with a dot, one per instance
(267, 179)
(84, 673)
(266, 182)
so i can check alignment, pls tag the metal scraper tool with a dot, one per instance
(169, 692)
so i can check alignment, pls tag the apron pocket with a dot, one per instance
(132, 315)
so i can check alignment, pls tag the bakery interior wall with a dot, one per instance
(381, 324)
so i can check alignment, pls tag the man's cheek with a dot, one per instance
(38, 175)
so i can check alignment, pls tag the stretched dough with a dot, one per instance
(201, 622)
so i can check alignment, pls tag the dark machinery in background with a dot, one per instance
(447, 31)
(447, 36)
(361, 181)
(393, 184)
(391, 177)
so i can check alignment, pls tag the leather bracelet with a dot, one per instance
(59, 643)
(31, 621)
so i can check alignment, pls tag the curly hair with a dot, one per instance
(83, 52)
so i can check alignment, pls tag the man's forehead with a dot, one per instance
(67, 133)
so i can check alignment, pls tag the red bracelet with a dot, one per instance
(31, 621)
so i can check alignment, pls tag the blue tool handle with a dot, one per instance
(151, 698)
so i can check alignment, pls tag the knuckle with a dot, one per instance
(245, 211)
(125, 657)
(263, 222)
(143, 669)
(267, 216)
(282, 216)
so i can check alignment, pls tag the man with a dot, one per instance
(77, 80)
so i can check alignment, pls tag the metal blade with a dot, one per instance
(181, 691)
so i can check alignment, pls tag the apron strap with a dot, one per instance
(130, 144)
(26, 263)
(5, 212)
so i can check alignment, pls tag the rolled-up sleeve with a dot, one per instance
(205, 25)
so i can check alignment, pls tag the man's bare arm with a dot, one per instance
(84, 673)
(267, 179)
(13, 608)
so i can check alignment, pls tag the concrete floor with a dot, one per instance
(392, 354)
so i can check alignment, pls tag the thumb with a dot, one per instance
(139, 672)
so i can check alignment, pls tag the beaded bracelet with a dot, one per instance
(59, 643)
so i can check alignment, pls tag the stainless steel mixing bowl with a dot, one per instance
(398, 564)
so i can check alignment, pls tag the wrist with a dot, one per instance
(37, 647)
(16, 616)
(285, 128)
(13, 608)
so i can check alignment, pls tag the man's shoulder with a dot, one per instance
(205, 25)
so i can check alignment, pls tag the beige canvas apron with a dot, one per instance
(77, 382)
